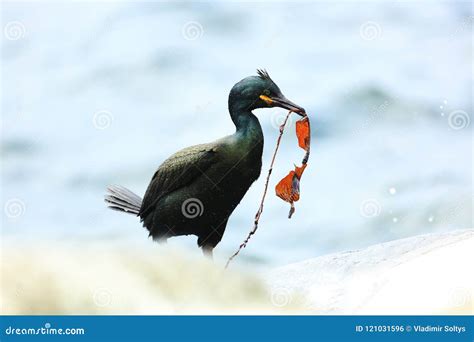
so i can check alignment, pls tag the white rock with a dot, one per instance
(427, 274)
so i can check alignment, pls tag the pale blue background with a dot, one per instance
(379, 110)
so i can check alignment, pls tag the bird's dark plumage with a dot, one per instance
(196, 189)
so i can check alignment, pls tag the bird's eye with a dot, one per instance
(266, 92)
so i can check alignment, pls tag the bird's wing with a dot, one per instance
(176, 172)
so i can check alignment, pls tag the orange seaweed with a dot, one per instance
(288, 188)
(303, 133)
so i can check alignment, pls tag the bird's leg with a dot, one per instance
(208, 251)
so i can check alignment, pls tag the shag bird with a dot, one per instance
(195, 191)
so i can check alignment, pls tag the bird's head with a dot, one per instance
(260, 92)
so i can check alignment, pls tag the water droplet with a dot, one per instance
(445, 101)
(392, 191)
(430, 219)
(395, 220)
(441, 107)
(442, 114)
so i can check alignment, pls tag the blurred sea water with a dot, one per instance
(101, 93)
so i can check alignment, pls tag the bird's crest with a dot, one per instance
(263, 74)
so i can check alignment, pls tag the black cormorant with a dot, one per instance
(196, 189)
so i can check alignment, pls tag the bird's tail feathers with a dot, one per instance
(121, 199)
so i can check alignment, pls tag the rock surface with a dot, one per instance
(427, 274)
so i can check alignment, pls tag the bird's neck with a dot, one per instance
(246, 124)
